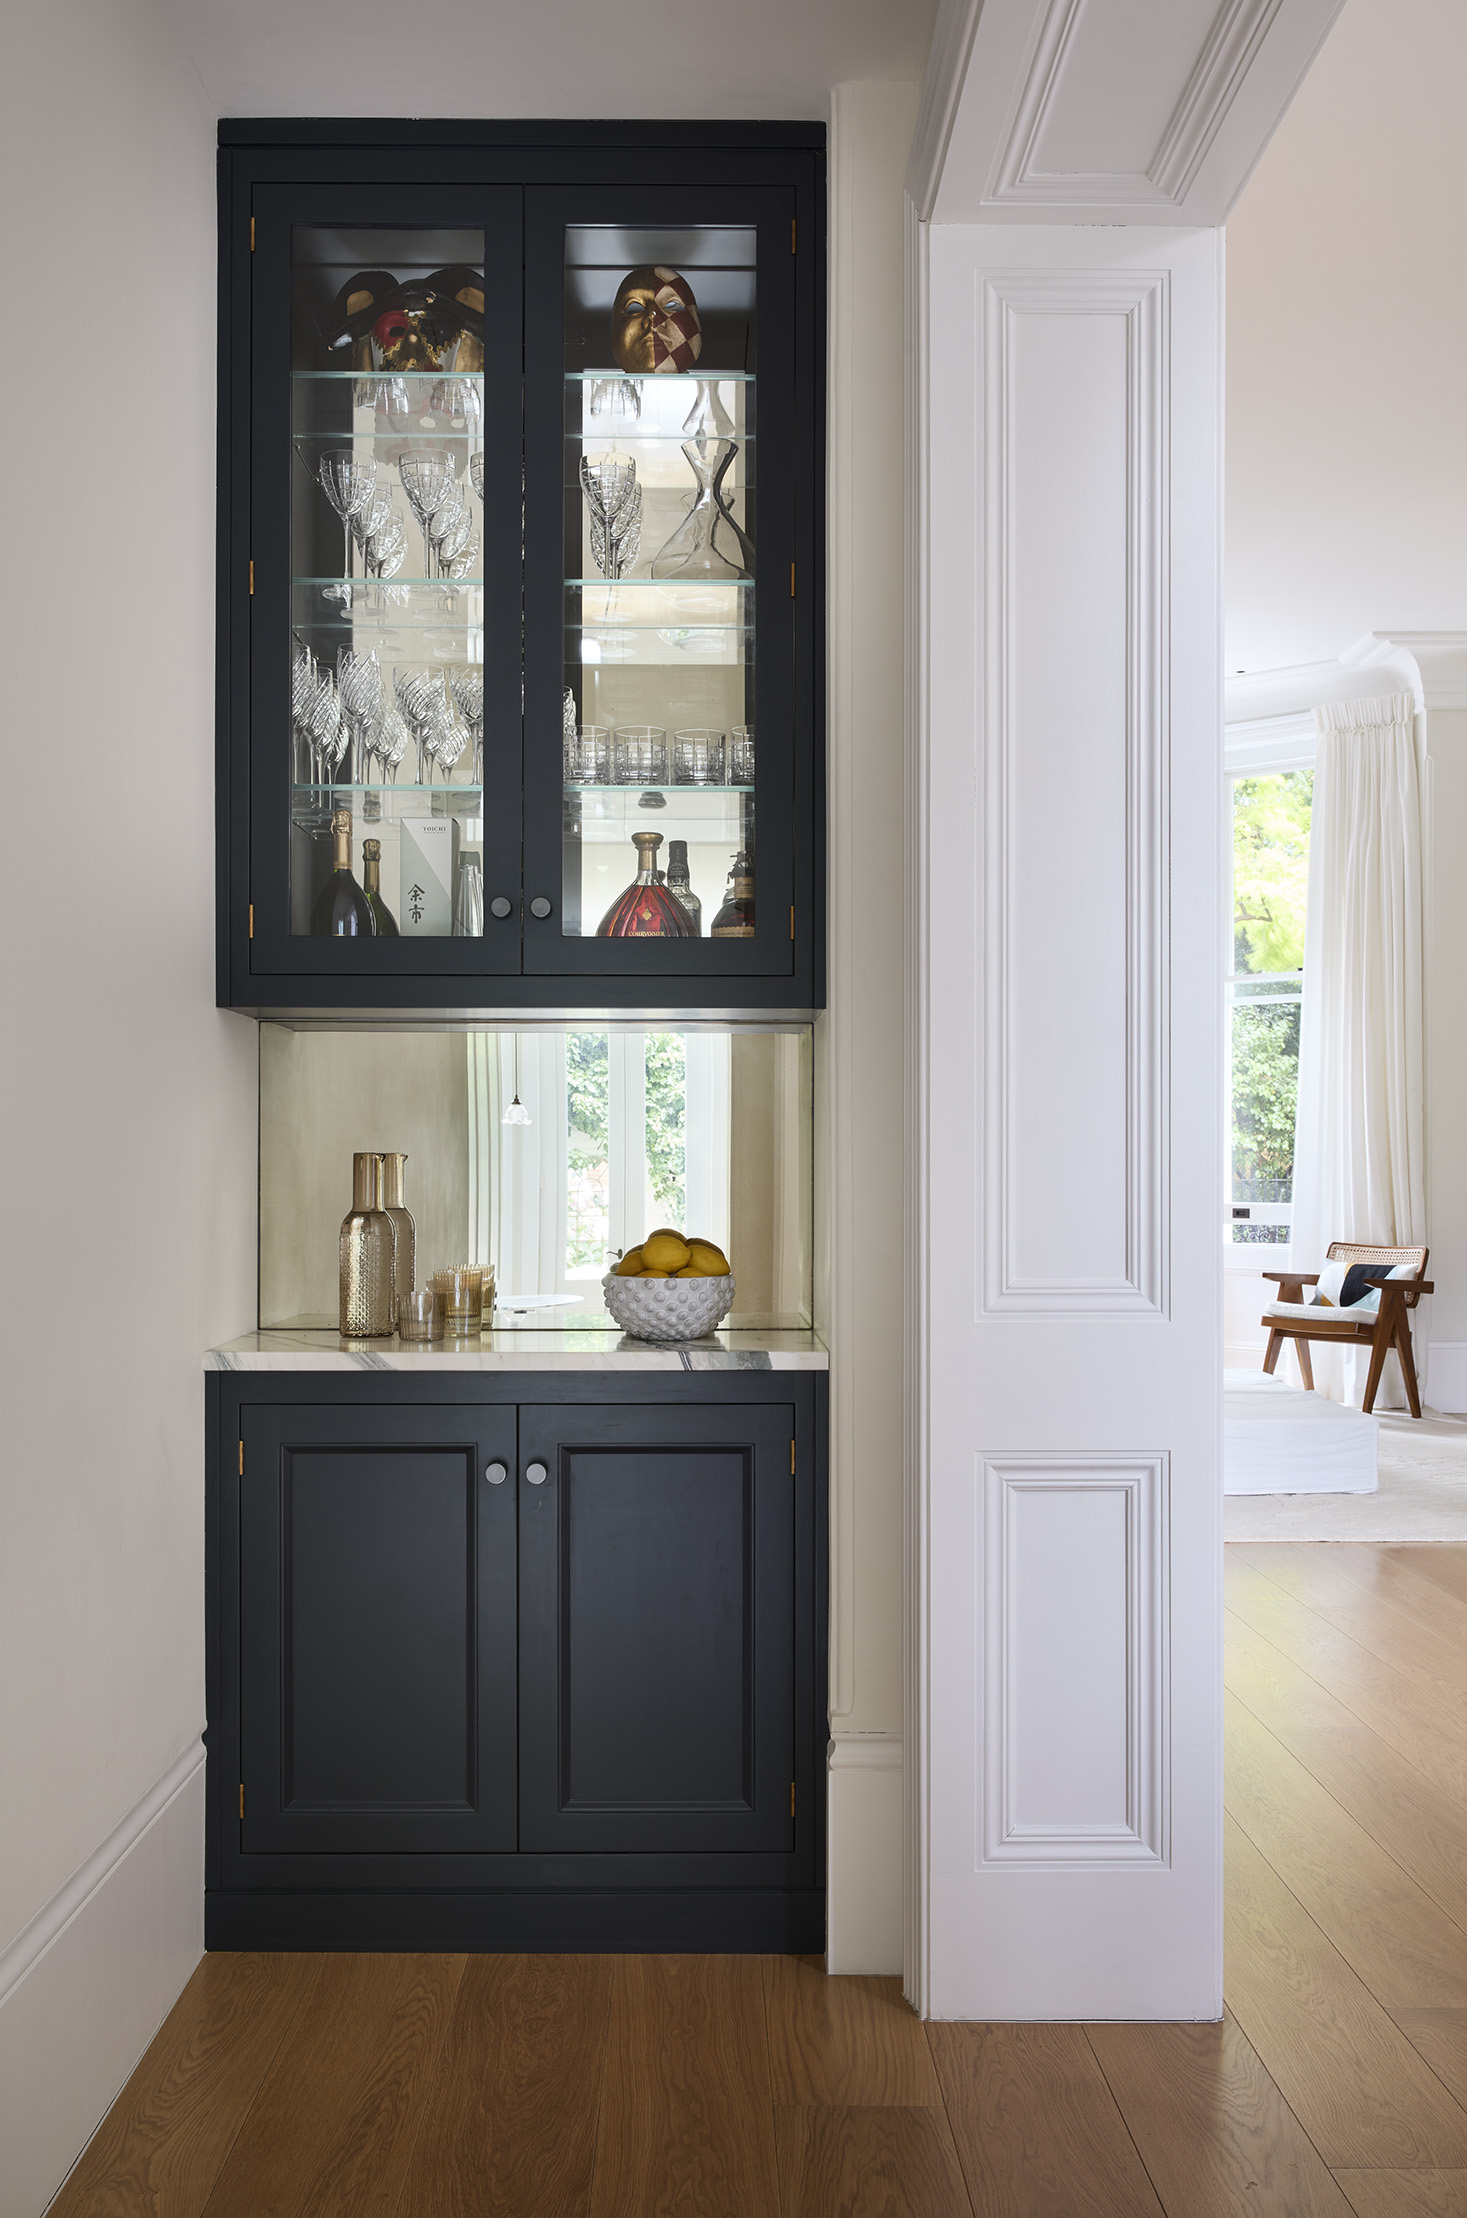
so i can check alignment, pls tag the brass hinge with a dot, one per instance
(252, 934)
(792, 1800)
(792, 1457)
(792, 920)
(252, 234)
(241, 1798)
(792, 234)
(252, 578)
(792, 582)
(241, 1459)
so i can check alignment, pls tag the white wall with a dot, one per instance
(1347, 331)
(129, 1102)
(859, 1040)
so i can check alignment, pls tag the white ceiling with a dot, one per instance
(775, 59)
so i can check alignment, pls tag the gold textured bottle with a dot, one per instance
(368, 1256)
(394, 1202)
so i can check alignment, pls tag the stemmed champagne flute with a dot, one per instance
(359, 683)
(467, 684)
(348, 480)
(426, 479)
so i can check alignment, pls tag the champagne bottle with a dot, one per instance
(341, 909)
(384, 923)
(646, 911)
(679, 884)
(735, 920)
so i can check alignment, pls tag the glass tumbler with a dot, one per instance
(418, 1316)
(697, 757)
(588, 755)
(460, 1290)
(639, 755)
(741, 755)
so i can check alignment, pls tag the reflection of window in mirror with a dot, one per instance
(630, 1127)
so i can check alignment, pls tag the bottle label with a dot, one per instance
(732, 932)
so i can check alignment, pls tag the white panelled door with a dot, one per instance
(1064, 1566)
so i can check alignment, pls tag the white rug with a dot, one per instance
(1422, 1493)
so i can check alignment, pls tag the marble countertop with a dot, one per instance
(572, 1350)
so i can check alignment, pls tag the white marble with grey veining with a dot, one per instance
(570, 1350)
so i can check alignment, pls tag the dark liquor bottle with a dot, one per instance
(735, 920)
(383, 920)
(646, 911)
(341, 909)
(679, 884)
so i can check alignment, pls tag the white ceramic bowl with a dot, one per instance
(668, 1308)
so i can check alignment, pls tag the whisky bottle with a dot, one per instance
(735, 920)
(680, 885)
(341, 909)
(384, 923)
(646, 911)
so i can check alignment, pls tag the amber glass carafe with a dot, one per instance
(368, 1257)
(646, 911)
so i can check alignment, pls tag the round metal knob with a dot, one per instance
(495, 1473)
(539, 906)
(501, 905)
(536, 1473)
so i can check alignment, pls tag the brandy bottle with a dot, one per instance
(341, 909)
(679, 883)
(646, 911)
(735, 920)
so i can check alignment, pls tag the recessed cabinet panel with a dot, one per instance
(657, 1629)
(378, 1616)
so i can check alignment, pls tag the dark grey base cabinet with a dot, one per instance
(516, 1661)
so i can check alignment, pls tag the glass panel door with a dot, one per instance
(398, 690)
(660, 708)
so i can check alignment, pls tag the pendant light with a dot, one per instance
(516, 1113)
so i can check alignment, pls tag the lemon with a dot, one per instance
(666, 1251)
(652, 1274)
(690, 1270)
(630, 1263)
(711, 1262)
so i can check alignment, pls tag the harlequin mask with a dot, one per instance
(655, 323)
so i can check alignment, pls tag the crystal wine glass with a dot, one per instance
(467, 685)
(348, 480)
(359, 683)
(393, 740)
(614, 500)
(370, 519)
(476, 470)
(426, 479)
(444, 523)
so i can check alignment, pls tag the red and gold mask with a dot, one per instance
(655, 323)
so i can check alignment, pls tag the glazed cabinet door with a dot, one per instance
(377, 1615)
(665, 706)
(657, 1604)
(382, 685)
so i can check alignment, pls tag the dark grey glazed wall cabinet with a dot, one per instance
(509, 1662)
(521, 568)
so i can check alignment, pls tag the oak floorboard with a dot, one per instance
(852, 2042)
(1037, 2129)
(686, 2122)
(1409, 1817)
(1446, 1566)
(877, 2161)
(1406, 2194)
(509, 2124)
(161, 2146)
(1441, 2037)
(1377, 1621)
(1381, 1572)
(1275, 1688)
(1385, 1926)
(331, 2130)
(1361, 2091)
(1212, 2129)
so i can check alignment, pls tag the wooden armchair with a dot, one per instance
(1388, 1328)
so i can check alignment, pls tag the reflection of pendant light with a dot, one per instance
(516, 1113)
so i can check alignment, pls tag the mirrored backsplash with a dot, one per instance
(629, 1126)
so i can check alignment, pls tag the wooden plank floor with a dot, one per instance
(749, 2087)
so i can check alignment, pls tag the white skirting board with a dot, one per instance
(1444, 1376)
(1279, 1440)
(88, 1983)
(863, 1931)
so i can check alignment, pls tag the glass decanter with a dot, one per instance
(646, 911)
(707, 543)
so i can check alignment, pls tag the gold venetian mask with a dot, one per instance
(655, 323)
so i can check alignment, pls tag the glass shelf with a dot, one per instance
(678, 793)
(699, 376)
(407, 377)
(403, 786)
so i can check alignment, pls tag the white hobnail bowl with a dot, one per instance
(668, 1308)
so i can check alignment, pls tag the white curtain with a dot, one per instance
(1359, 1154)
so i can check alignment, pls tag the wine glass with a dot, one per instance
(359, 683)
(614, 499)
(385, 552)
(393, 740)
(467, 685)
(476, 470)
(426, 479)
(348, 480)
(444, 524)
(370, 520)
